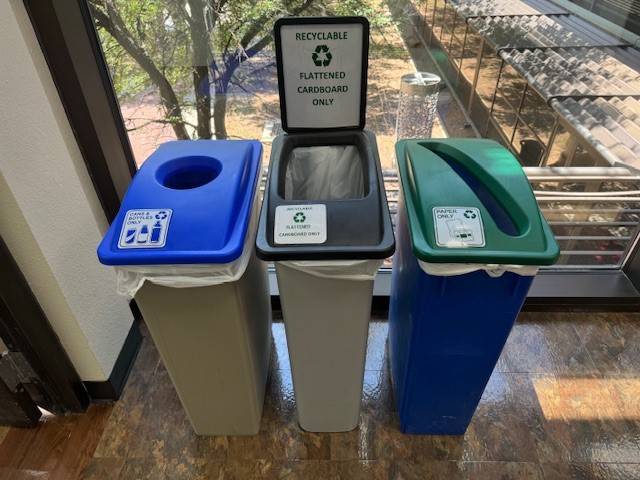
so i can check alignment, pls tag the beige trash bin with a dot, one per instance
(183, 247)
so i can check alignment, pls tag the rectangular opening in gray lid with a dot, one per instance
(331, 172)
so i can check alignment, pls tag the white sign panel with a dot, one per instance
(300, 224)
(145, 228)
(322, 70)
(458, 227)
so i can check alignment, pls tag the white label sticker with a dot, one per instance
(300, 224)
(145, 228)
(322, 69)
(458, 227)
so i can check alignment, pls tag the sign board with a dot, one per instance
(300, 224)
(145, 228)
(458, 227)
(322, 72)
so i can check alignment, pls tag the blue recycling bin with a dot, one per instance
(182, 245)
(470, 237)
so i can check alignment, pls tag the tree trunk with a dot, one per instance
(201, 57)
(201, 86)
(171, 105)
(115, 26)
(220, 109)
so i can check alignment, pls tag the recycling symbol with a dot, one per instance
(299, 217)
(322, 56)
(470, 214)
(161, 215)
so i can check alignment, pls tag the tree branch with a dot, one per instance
(111, 21)
(258, 26)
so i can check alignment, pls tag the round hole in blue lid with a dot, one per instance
(188, 172)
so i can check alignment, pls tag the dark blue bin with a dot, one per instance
(442, 351)
(446, 332)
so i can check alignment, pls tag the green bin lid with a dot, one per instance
(469, 201)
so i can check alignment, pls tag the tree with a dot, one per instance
(213, 37)
(170, 40)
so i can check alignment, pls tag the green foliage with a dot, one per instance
(128, 78)
(373, 11)
(163, 31)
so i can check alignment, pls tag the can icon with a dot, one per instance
(130, 236)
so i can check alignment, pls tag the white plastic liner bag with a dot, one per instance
(337, 269)
(130, 278)
(324, 173)
(493, 270)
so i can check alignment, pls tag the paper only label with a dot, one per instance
(300, 224)
(145, 228)
(322, 70)
(458, 227)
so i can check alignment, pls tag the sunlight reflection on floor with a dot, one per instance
(583, 398)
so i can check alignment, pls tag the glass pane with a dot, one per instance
(505, 116)
(204, 73)
(511, 86)
(457, 40)
(529, 148)
(594, 222)
(625, 14)
(447, 27)
(470, 55)
(538, 115)
(438, 17)
(182, 72)
(561, 150)
(489, 69)
(428, 12)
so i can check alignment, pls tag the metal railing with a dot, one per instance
(593, 224)
(493, 55)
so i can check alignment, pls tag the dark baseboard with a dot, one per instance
(379, 304)
(111, 389)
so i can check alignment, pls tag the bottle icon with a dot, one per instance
(143, 235)
(155, 232)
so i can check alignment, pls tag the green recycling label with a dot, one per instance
(321, 56)
(300, 224)
(322, 70)
(458, 227)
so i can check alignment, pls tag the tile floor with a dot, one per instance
(563, 402)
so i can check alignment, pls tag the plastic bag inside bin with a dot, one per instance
(130, 278)
(332, 172)
(493, 270)
(359, 270)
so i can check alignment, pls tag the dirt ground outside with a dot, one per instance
(253, 100)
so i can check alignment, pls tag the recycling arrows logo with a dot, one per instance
(299, 217)
(470, 214)
(322, 56)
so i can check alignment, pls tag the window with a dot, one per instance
(557, 110)
(625, 13)
(189, 69)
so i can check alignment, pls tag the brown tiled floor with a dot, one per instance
(564, 402)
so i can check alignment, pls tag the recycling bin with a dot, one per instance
(470, 240)
(182, 245)
(324, 219)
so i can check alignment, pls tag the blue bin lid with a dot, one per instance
(189, 203)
